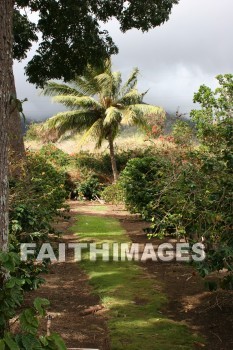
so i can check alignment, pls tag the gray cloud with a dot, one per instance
(174, 60)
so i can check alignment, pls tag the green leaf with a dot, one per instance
(28, 321)
(43, 340)
(58, 341)
(12, 345)
(2, 344)
(3, 257)
(30, 342)
(10, 283)
(39, 304)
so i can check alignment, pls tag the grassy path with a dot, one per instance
(133, 299)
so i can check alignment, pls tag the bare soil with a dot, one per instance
(81, 319)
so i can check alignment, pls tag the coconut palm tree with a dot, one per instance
(99, 104)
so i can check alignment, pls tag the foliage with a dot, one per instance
(11, 290)
(100, 163)
(34, 201)
(182, 133)
(90, 188)
(214, 123)
(191, 199)
(214, 119)
(113, 194)
(191, 194)
(70, 32)
(28, 338)
(142, 180)
(54, 155)
(156, 123)
(36, 198)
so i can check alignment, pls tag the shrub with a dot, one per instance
(142, 181)
(34, 201)
(114, 194)
(90, 188)
(191, 194)
(54, 155)
(100, 164)
(182, 133)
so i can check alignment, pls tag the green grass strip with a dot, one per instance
(131, 296)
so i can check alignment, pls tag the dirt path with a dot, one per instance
(74, 307)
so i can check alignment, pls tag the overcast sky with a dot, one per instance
(174, 59)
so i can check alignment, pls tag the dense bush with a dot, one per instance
(54, 155)
(34, 201)
(100, 164)
(90, 188)
(142, 180)
(191, 195)
(182, 133)
(113, 194)
(192, 199)
(40, 193)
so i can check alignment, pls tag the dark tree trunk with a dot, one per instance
(17, 153)
(113, 159)
(6, 16)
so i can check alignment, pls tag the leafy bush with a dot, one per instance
(182, 133)
(28, 338)
(114, 194)
(191, 198)
(90, 188)
(34, 201)
(191, 194)
(100, 164)
(142, 180)
(11, 295)
(54, 155)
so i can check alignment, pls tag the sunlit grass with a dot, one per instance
(129, 294)
(100, 208)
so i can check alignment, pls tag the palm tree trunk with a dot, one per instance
(113, 158)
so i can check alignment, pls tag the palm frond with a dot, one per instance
(116, 84)
(105, 81)
(74, 102)
(55, 89)
(99, 119)
(113, 116)
(72, 120)
(94, 132)
(131, 82)
(131, 98)
(137, 114)
(87, 85)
